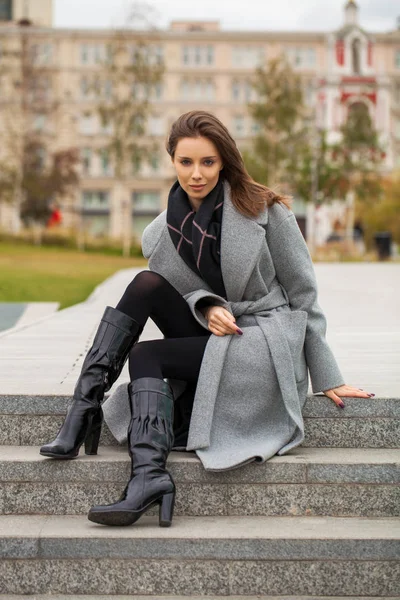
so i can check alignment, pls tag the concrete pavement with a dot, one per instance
(361, 302)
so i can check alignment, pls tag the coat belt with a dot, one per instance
(262, 311)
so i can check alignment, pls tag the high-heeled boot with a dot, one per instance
(150, 439)
(115, 336)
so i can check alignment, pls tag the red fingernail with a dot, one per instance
(240, 332)
(341, 404)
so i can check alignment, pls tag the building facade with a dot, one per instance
(206, 68)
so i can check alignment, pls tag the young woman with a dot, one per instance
(232, 288)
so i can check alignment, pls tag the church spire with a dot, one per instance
(351, 12)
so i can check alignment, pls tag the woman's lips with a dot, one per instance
(197, 187)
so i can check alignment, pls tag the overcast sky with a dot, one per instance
(320, 15)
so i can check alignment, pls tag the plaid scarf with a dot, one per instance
(197, 235)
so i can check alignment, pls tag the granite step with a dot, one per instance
(307, 481)
(258, 597)
(363, 423)
(208, 556)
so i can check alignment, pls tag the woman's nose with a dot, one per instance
(196, 173)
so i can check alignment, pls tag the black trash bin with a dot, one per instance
(383, 242)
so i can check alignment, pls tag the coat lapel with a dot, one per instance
(241, 242)
(166, 261)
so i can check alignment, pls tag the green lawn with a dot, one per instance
(41, 274)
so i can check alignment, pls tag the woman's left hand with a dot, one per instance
(346, 390)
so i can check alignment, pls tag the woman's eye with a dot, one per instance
(208, 163)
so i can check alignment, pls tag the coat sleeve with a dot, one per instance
(200, 298)
(295, 271)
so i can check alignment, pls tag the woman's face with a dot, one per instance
(197, 163)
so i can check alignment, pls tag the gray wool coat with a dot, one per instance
(251, 388)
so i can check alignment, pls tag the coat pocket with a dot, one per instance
(294, 325)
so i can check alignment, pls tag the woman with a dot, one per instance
(232, 288)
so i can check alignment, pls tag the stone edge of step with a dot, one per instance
(124, 597)
(315, 406)
(195, 538)
(301, 466)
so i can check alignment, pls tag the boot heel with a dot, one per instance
(93, 437)
(166, 509)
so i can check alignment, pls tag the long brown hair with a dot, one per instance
(249, 197)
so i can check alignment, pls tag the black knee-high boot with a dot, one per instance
(102, 366)
(150, 439)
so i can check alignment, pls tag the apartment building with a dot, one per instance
(208, 68)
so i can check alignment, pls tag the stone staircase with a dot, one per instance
(319, 522)
(322, 522)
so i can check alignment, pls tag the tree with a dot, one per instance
(383, 212)
(32, 172)
(359, 154)
(43, 183)
(128, 81)
(291, 150)
(280, 116)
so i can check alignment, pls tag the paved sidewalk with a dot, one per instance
(15, 314)
(361, 302)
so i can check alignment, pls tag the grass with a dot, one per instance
(45, 274)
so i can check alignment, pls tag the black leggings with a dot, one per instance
(179, 355)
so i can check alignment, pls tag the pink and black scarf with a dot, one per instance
(197, 235)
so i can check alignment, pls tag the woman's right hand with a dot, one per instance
(221, 321)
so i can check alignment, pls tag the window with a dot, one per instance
(236, 90)
(42, 54)
(397, 59)
(95, 200)
(185, 90)
(39, 89)
(105, 163)
(355, 54)
(85, 87)
(95, 210)
(39, 122)
(157, 91)
(309, 93)
(139, 224)
(142, 91)
(86, 157)
(87, 124)
(41, 158)
(155, 162)
(5, 10)
(301, 58)
(146, 205)
(238, 125)
(84, 54)
(198, 89)
(255, 128)
(198, 56)
(151, 54)
(155, 125)
(106, 128)
(107, 89)
(248, 56)
(94, 54)
(311, 57)
(242, 91)
(146, 202)
(185, 55)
